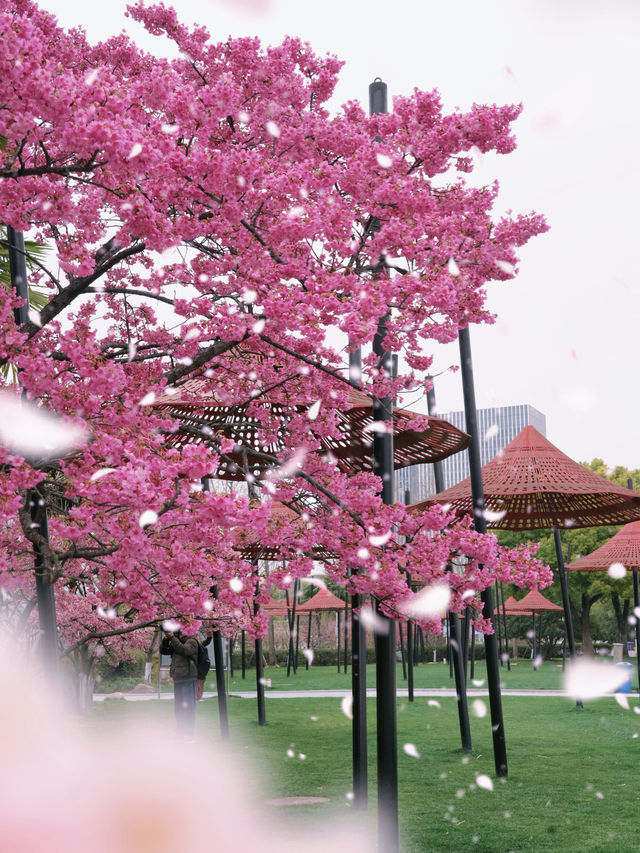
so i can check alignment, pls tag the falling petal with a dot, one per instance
(537, 662)
(384, 161)
(236, 585)
(136, 149)
(372, 620)
(290, 753)
(477, 682)
(623, 700)
(431, 601)
(505, 267)
(289, 467)
(346, 705)
(34, 433)
(101, 472)
(91, 77)
(479, 708)
(308, 653)
(273, 129)
(301, 756)
(616, 571)
(258, 327)
(314, 410)
(379, 541)
(433, 703)
(147, 517)
(410, 749)
(491, 516)
(485, 782)
(148, 399)
(169, 129)
(171, 626)
(492, 432)
(453, 267)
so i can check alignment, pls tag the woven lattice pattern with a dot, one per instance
(532, 485)
(533, 602)
(623, 548)
(511, 608)
(322, 600)
(195, 407)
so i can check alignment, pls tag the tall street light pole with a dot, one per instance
(385, 636)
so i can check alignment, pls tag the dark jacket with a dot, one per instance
(184, 653)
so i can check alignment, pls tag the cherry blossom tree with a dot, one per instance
(209, 219)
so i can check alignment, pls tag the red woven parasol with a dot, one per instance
(533, 602)
(511, 608)
(532, 485)
(623, 548)
(324, 599)
(195, 407)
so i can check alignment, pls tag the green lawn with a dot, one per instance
(571, 784)
(432, 675)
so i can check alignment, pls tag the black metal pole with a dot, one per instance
(385, 639)
(306, 666)
(262, 717)
(230, 656)
(243, 653)
(636, 605)
(504, 625)
(402, 652)
(44, 588)
(457, 655)
(358, 668)
(221, 690)
(410, 628)
(475, 467)
(295, 659)
(346, 629)
(338, 627)
(472, 668)
(566, 602)
(461, 682)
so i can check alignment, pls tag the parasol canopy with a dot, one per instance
(531, 485)
(511, 607)
(324, 600)
(533, 602)
(623, 548)
(196, 406)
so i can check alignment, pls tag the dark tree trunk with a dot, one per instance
(622, 617)
(271, 644)
(587, 603)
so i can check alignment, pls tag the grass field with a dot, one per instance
(572, 773)
(522, 675)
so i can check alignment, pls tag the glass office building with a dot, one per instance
(497, 427)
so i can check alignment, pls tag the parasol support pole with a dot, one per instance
(461, 682)
(477, 492)
(358, 667)
(636, 605)
(410, 626)
(218, 661)
(457, 637)
(566, 603)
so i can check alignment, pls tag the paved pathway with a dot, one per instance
(402, 693)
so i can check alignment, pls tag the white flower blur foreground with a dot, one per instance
(591, 679)
(114, 789)
(33, 433)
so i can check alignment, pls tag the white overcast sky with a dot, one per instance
(566, 337)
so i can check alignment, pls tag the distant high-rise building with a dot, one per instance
(497, 427)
